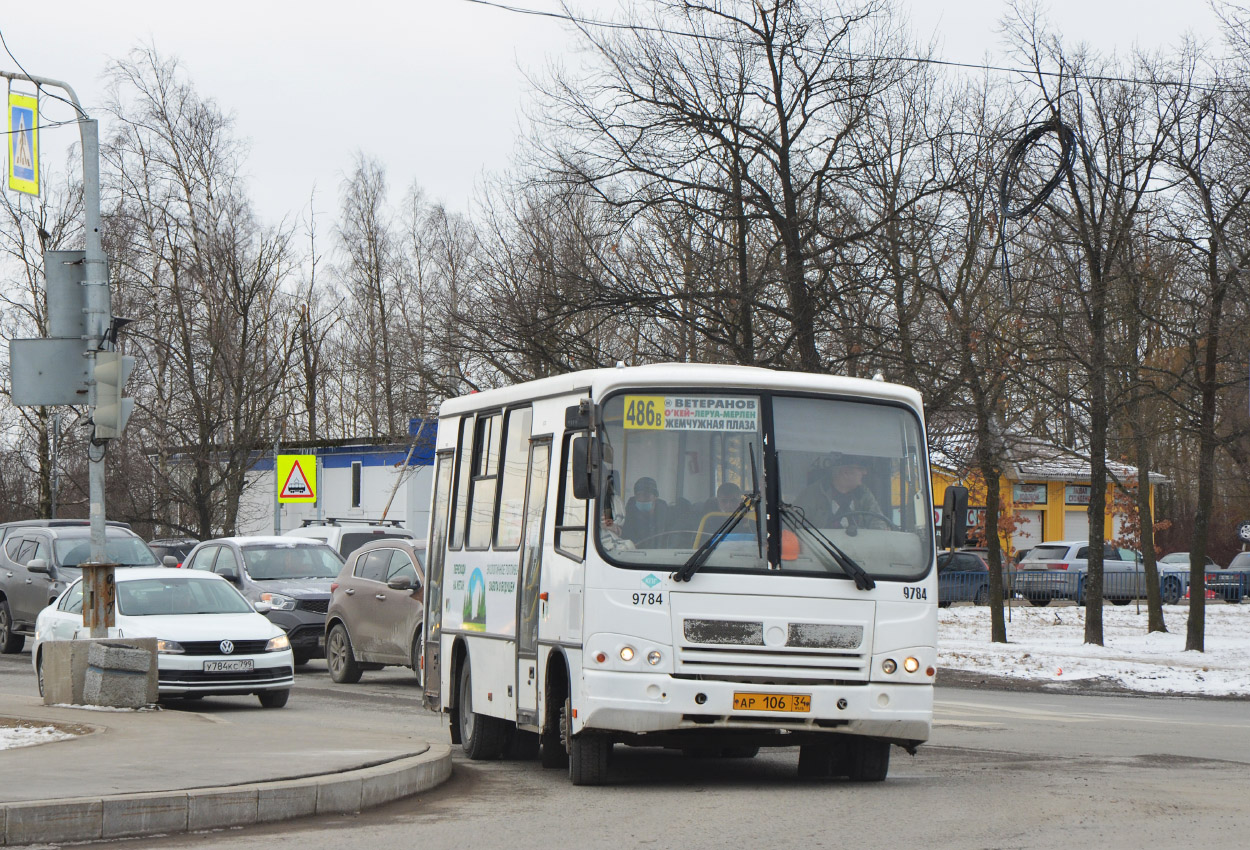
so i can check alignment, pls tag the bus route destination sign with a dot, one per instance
(691, 413)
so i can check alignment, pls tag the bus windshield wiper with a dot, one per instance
(700, 555)
(796, 517)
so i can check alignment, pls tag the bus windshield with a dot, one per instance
(683, 468)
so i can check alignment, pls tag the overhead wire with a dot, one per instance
(594, 23)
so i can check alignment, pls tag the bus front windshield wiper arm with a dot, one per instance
(795, 515)
(700, 555)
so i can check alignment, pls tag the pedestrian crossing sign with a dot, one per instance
(297, 478)
(23, 143)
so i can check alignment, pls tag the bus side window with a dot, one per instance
(571, 512)
(464, 469)
(511, 514)
(485, 480)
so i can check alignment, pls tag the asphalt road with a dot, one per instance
(1004, 770)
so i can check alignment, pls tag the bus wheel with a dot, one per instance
(554, 755)
(588, 758)
(481, 735)
(869, 760)
(816, 761)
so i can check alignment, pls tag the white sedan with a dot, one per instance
(210, 640)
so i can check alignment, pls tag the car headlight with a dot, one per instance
(278, 601)
(278, 644)
(169, 647)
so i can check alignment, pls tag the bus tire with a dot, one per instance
(868, 760)
(554, 756)
(816, 761)
(588, 758)
(482, 736)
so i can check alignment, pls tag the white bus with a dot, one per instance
(711, 558)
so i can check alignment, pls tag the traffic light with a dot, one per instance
(112, 410)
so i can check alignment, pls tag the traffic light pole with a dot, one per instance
(98, 579)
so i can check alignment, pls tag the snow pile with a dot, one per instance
(1048, 644)
(26, 736)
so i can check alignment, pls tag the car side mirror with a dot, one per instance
(230, 576)
(169, 561)
(262, 607)
(403, 583)
(39, 565)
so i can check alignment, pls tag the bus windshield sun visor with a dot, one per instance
(794, 515)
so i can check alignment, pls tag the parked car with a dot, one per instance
(963, 577)
(1057, 570)
(345, 536)
(40, 558)
(1231, 583)
(1182, 559)
(210, 640)
(172, 547)
(292, 575)
(376, 610)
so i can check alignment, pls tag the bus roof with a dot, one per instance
(679, 375)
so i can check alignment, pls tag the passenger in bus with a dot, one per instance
(716, 511)
(646, 514)
(837, 496)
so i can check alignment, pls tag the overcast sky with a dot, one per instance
(432, 88)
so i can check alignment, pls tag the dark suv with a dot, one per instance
(291, 574)
(173, 547)
(40, 558)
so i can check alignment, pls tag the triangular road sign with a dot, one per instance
(296, 485)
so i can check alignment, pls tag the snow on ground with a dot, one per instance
(26, 736)
(1048, 644)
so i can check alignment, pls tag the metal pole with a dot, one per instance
(277, 488)
(97, 583)
(56, 453)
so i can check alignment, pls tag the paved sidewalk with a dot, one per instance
(181, 770)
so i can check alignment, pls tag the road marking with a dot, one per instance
(978, 709)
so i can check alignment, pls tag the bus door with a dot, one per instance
(435, 560)
(530, 576)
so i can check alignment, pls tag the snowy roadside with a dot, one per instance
(1046, 644)
(27, 735)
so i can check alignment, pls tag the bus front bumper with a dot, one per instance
(640, 703)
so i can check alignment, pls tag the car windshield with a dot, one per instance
(275, 561)
(160, 596)
(685, 469)
(119, 548)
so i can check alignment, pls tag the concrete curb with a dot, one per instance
(168, 812)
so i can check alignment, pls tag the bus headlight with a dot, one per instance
(627, 653)
(888, 666)
(911, 665)
(654, 657)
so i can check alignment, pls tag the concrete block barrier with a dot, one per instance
(117, 675)
(171, 812)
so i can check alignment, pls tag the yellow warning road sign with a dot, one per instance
(297, 478)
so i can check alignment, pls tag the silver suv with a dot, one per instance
(40, 558)
(345, 536)
(1056, 569)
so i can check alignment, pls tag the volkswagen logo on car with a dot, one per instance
(227, 647)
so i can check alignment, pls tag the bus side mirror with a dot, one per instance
(585, 467)
(955, 517)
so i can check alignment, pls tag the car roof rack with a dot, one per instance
(389, 523)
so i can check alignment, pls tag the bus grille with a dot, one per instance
(780, 665)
